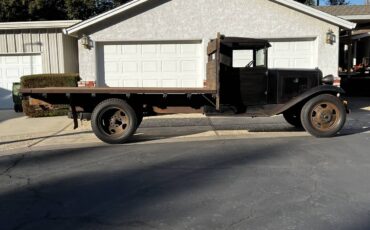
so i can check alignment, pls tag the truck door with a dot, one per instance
(252, 70)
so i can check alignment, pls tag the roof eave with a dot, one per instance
(318, 14)
(37, 24)
(355, 17)
(84, 24)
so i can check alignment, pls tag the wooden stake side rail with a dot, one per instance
(115, 90)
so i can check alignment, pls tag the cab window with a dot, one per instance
(249, 58)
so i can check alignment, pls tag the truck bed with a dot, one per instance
(115, 90)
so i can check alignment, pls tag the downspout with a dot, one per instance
(96, 50)
(349, 58)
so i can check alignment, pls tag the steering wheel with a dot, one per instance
(250, 64)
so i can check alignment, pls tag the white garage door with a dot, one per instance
(293, 54)
(164, 64)
(12, 67)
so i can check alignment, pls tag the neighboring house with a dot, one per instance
(162, 43)
(31, 48)
(355, 46)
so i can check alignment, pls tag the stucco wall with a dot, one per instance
(202, 19)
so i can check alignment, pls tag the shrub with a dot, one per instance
(47, 80)
(50, 80)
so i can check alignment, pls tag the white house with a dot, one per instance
(162, 43)
(32, 48)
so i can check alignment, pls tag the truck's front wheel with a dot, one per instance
(323, 116)
(114, 121)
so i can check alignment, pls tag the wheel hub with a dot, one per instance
(116, 122)
(324, 116)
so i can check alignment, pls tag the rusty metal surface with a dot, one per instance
(113, 90)
(175, 110)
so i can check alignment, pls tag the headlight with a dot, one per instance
(328, 80)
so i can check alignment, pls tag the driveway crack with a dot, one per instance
(16, 162)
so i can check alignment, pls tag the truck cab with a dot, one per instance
(238, 69)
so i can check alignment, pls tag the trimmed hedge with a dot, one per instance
(43, 81)
(50, 80)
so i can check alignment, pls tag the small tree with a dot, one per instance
(307, 2)
(80, 9)
(337, 2)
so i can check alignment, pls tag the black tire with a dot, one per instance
(139, 114)
(18, 108)
(140, 117)
(114, 121)
(323, 116)
(293, 117)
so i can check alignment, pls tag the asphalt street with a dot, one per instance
(265, 183)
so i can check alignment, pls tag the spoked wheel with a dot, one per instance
(324, 116)
(114, 121)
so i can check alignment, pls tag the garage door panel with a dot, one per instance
(276, 63)
(293, 54)
(189, 66)
(189, 50)
(131, 49)
(154, 65)
(149, 50)
(169, 66)
(11, 60)
(169, 49)
(131, 83)
(303, 46)
(12, 67)
(188, 83)
(150, 67)
(26, 71)
(150, 83)
(304, 63)
(169, 83)
(112, 81)
(12, 72)
(112, 67)
(281, 46)
(112, 49)
(130, 67)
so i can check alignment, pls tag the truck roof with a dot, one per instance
(240, 43)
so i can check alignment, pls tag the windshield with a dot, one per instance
(249, 58)
(260, 58)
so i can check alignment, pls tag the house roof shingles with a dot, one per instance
(345, 10)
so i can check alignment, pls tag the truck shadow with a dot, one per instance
(359, 118)
(6, 105)
(106, 188)
(111, 197)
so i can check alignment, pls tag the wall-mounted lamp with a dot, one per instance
(330, 37)
(86, 42)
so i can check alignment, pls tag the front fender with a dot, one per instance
(322, 89)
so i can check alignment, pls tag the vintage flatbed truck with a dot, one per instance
(304, 97)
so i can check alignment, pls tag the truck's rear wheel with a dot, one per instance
(323, 116)
(114, 121)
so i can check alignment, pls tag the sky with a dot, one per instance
(353, 2)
